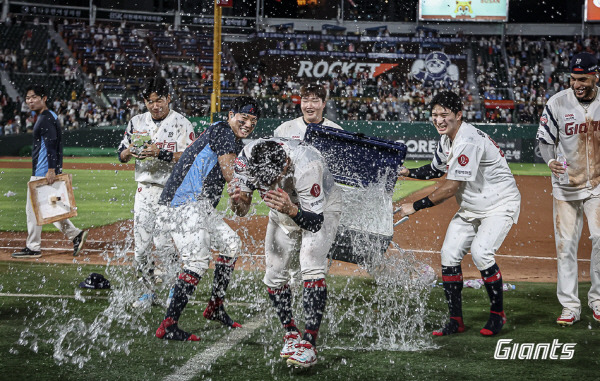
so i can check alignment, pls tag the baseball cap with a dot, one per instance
(584, 63)
(95, 281)
(246, 105)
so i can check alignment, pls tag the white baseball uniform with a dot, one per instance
(574, 131)
(296, 128)
(174, 133)
(310, 185)
(488, 196)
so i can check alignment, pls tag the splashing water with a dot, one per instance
(388, 312)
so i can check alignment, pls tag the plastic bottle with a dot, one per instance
(508, 287)
(473, 283)
(563, 178)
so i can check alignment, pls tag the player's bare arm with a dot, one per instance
(280, 201)
(441, 194)
(226, 163)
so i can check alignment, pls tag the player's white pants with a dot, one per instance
(482, 235)
(196, 228)
(568, 223)
(145, 229)
(34, 232)
(281, 249)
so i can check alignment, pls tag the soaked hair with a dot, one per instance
(266, 163)
(448, 100)
(39, 90)
(156, 85)
(313, 89)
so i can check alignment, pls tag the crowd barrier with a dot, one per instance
(516, 140)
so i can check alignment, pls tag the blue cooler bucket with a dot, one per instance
(366, 169)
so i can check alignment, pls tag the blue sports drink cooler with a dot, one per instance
(365, 166)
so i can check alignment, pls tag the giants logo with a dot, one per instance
(240, 164)
(573, 128)
(463, 160)
(169, 146)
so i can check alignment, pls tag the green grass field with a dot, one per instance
(54, 330)
(72, 334)
(107, 196)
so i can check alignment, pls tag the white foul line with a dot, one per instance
(496, 255)
(203, 361)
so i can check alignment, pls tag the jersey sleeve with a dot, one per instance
(241, 175)
(187, 135)
(222, 140)
(548, 129)
(439, 158)
(309, 187)
(278, 133)
(464, 162)
(126, 139)
(50, 137)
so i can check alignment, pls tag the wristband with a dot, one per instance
(422, 204)
(298, 215)
(550, 161)
(165, 155)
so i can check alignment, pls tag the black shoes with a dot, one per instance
(79, 241)
(27, 253)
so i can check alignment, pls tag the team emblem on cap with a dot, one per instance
(463, 160)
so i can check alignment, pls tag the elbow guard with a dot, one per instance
(308, 220)
(425, 172)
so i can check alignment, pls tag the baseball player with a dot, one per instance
(568, 137)
(312, 103)
(156, 138)
(192, 192)
(294, 181)
(478, 176)
(47, 160)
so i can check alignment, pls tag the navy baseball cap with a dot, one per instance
(584, 63)
(95, 281)
(246, 105)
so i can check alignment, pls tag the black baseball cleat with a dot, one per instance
(216, 311)
(494, 324)
(79, 241)
(168, 330)
(454, 325)
(27, 253)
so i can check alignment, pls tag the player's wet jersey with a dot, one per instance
(47, 150)
(575, 132)
(296, 128)
(308, 182)
(197, 175)
(488, 186)
(174, 133)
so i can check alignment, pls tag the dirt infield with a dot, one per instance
(528, 253)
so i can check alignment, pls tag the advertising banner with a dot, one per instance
(471, 10)
(592, 10)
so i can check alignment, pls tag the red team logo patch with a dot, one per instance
(315, 190)
(463, 160)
